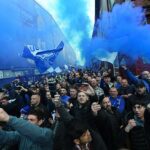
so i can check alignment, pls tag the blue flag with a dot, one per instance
(43, 58)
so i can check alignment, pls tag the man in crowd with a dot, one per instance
(144, 78)
(73, 97)
(98, 91)
(126, 91)
(140, 95)
(116, 100)
(29, 134)
(63, 96)
(80, 137)
(106, 84)
(135, 127)
(109, 123)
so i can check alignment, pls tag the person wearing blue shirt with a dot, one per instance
(116, 100)
(143, 78)
(63, 96)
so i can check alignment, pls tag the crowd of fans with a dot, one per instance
(78, 110)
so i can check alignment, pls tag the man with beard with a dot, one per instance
(109, 123)
(77, 137)
(73, 97)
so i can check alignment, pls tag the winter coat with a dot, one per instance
(29, 136)
(108, 125)
(96, 143)
(137, 135)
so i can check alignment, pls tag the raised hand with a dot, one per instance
(4, 117)
(131, 125)
(95, 107)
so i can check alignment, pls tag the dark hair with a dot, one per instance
(38, 112)
(76, 128)
(73, 87)
(107, 76)
(6, 97)
(37, 93)
(139, 102)
(140, 85)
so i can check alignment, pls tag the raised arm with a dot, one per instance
(31, 131)
(27, 129)
(9, 137)
(130, 75)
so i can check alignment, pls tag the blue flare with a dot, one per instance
(123, 30)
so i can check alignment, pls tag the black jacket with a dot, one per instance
(108, 124)
(96, 143)
(137, 136)
(61, 130)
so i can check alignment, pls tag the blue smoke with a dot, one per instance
(122, 30)
(26, 23)
(73, 14)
